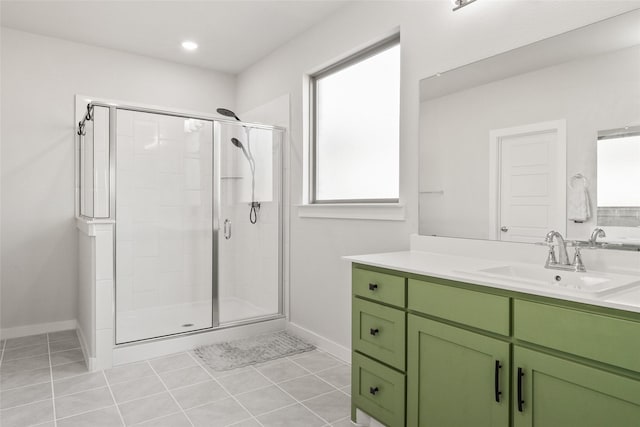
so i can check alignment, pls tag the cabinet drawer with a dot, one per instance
(593, 336)
(382, 287)
(379, 332)
(377, 390)
(477, 309)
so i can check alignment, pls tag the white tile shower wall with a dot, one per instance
(104, 297)
(249, 260)
(95, 296)
(277, 112)
(86, 290)
(164, 208)
(101, 162)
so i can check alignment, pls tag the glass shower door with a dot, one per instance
(164, 225)
(249, 213)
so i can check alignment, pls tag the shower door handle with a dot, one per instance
(227, 229)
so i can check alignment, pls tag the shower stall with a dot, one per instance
(194, 205)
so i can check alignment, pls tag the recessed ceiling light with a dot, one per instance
(189, 45)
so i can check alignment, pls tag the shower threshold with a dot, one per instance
(165, 321)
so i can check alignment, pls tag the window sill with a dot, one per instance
(374, 211)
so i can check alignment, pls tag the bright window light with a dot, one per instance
(356, 128)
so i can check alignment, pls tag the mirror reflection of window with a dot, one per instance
(619, 178)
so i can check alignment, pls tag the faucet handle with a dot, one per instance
(551, 257)
(577, 260)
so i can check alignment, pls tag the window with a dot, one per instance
(355, 128)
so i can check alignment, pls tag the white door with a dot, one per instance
(530, 181)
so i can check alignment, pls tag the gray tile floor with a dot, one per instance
(44, 382)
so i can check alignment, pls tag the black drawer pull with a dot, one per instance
(373, 390)
(496, 388)
(374, 332)
(373, 286)
(520, 401)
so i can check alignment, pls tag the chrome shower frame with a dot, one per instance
(216, 195)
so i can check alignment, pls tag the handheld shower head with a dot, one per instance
(255, 206)
(237, 143)
(228, 113)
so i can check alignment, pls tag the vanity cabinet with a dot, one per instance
(553, 391)
(478, 356)
(378, 330)
(455, 377)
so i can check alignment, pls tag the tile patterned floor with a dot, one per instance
(44, 382)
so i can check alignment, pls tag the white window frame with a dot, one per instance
(360, 56)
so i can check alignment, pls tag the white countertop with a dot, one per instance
(461, 268)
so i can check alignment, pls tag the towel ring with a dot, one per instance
(581, 177)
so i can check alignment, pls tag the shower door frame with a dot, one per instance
(216, 196)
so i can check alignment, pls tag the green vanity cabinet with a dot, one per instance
(378, 333)
(472, 355)
(455, 377)
(551, 391)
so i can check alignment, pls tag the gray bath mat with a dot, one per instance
(243, 352)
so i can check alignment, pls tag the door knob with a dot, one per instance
(504, 228)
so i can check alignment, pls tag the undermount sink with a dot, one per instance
(584, 283)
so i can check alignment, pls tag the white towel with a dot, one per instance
(578, 201)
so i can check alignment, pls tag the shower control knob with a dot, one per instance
(504, 228)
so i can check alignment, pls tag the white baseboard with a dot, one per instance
(88, 360)
(341, 352)
(40, 328)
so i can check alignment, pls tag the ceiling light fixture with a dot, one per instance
(457, 4)
(189, 45)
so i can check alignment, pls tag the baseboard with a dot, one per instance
(40, 328)
(88, 360)
(332, 347)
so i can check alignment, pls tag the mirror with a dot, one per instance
(618, 157)
(510, 146)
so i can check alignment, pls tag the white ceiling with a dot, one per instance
(232, 34)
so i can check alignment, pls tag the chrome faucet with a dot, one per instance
(562, 248)
(598, 232)
(563, 262)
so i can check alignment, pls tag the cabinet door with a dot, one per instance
(455, 377)
(557, 392)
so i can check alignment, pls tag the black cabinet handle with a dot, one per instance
(374, 332)
(373, 390)
(520, 401)
(373, 286)
(496, 378)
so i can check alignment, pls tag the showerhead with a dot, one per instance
(237, 143)
(228, 113)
